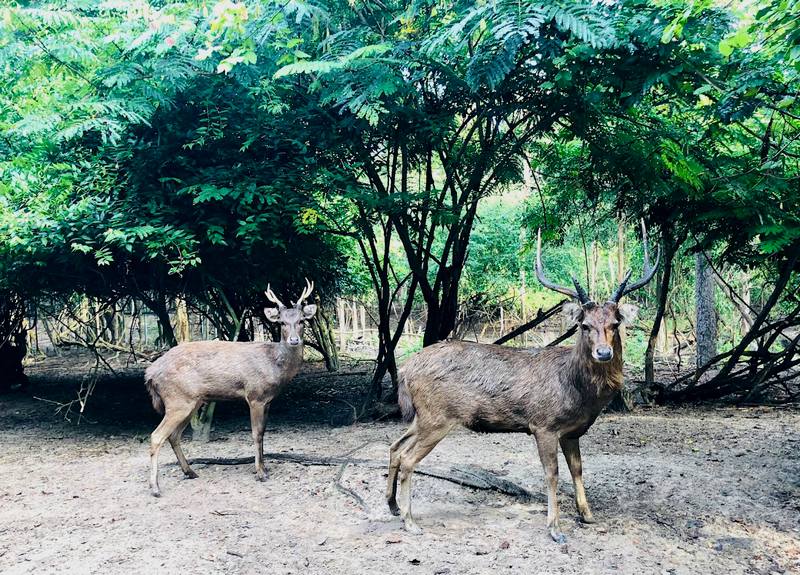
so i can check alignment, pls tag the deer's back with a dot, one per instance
(493, 388)
(215, 370)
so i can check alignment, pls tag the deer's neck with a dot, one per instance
(289, 357)
(605, 378)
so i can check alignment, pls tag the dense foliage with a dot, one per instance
(194, 150)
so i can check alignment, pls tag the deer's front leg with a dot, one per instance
(258, 416)
(547, 444)
(572, 453)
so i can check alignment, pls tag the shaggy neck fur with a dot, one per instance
(289, 357)
(605, 378)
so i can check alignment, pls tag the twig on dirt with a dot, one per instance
(346, 490)
(474, 477)
(477, 478)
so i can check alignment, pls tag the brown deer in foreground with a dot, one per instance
(554, 393)
(193, 373)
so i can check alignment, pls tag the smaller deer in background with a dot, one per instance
(196, 372)
(553, 393)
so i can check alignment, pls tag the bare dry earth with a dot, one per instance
(676, 491)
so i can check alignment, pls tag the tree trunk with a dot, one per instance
(182, 327)
(326, 339)
(442, 314)
(593, 251)
(158, 306)
(342, 318)
(201, 422)
(658, 322)
(13, 341)
(523, 308)
(706, 314)
(354, 313)
(622, 401)
(621, 263)
(388, 340)
(747, 320)
(620, 248)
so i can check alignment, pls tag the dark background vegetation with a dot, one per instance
(169, 161)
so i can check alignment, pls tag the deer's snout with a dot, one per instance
(603, 353)
(294, 340)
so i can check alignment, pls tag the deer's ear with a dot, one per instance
(572, 311)
(627, 312)
(309, 311)
(273, 314)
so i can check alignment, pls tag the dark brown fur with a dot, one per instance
(553, 393)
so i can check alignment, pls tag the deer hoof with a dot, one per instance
(155, 492)
(190, 474)
(412, 528)
(393, 508)
(587, 518)
(262, 477)
(558, 537)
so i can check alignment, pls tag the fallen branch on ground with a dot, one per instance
(346, 490)
(473, 477)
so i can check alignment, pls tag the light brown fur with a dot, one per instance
(555, 394)
(193, 373)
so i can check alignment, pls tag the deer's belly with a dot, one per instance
(498, 421)
(493, 427)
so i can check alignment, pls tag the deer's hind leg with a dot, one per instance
(174, 417)
(175, 442)
(425, 440)
(395, 451)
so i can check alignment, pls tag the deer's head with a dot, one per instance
(292, 319)
(599, 323)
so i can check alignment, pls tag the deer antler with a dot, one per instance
(647, 273)
(578, 293)
(306, 292)
(273, 298)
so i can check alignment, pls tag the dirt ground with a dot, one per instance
(676, 491)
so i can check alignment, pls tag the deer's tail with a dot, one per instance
(404, 397)
(158, 403)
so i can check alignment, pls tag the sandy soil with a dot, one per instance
(678, 491)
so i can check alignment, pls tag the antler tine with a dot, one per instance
(583, 297)
(306, 292)
(620, 291)
(578, 293)
(273, 298)
(648, 270)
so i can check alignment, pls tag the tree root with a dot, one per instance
(473, 477)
